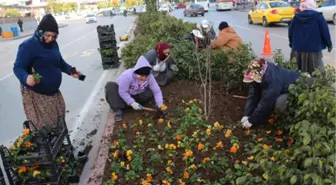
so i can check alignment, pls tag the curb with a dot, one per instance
(27, 35)
(98, 168)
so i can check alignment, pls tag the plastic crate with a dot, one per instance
(50, 143)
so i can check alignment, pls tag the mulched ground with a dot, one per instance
(226, 109)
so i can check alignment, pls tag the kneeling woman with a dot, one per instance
(134, 87)
(268, 90)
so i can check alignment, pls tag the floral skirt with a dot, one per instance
(41, 109)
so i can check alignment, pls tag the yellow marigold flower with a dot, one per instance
(208, 132)
(228, 133)
(36, 173)
(168, 169)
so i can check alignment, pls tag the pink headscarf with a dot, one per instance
(307, 5)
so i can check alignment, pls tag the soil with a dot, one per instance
(226, 109)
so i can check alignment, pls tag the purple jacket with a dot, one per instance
(128, 84)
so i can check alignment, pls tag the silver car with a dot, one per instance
(328, 9)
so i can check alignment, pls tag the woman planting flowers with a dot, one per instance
(163, 66)
(134, 87)
(39, 66)
(268, 90)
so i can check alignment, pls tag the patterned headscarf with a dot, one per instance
(256, 70)
(307, 5)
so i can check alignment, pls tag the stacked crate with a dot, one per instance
(54, 154)
(108, 46)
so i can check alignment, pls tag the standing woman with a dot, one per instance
(308, 35)
(42, 101)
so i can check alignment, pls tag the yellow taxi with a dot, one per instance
(269, 12)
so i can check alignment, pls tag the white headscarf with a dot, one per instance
(307, 5)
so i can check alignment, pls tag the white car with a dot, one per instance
(164, 7)
(91, 18)
(328, 9)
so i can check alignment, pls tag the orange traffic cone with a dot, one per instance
(267, 45)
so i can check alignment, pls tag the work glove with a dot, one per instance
(244, 119)
(330, 48)
(174, 68)
(136, 106)
(246, 124)
(156, 67)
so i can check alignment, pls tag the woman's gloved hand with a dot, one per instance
(136, 106)
(156, 67)
(244, 119)
(246, 125)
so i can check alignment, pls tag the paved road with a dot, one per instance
(78, 43)
(256, 33)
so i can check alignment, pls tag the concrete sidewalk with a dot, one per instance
(27, 33)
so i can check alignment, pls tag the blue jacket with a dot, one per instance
(47, 61)
(262, 97)
(309, 32)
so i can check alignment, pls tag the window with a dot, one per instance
(263, 6)
(278, 4)
(328, 3)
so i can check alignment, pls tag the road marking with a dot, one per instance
(87, 105)
(62, 47)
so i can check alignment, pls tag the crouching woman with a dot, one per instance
(134, 87)
(268, 90)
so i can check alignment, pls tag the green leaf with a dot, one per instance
(240, 180)
(293, 179)
(306, 139)
(308, 162)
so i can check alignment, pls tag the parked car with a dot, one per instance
(91, 18)
(165, 7)
(181, 6)
(194, 10)
(296, 5)
(328, 9)
(271, 12)
(224, 5)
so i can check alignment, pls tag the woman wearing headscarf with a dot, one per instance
(267, 90)
(42, 100)
(308, 35)
(208, 33)
(227, 38)
(134, 87)
(160, 58)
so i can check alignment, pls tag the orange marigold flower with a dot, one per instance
(186, 175)
(268, 132)
(26, 131)
(279, 132)
(267, 146)
(149, 177)
(115, 154)
(271, 121)
(278, 140)
(233, 149)
(124, 126)
(200, 146)
(160, 120)
(228, 133)
(178, 137)
(188, 153)
(205, 160)
(28, 144)
(116, 143)
(219, 144)
(169, 170)
(260, 139)
(208, 132)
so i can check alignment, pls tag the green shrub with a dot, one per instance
(311, 115)
(156, 27)
(279, 59)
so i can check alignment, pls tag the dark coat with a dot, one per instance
(309, 32)
(262, 97)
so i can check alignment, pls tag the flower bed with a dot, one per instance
(183, 146)
(296, 147)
